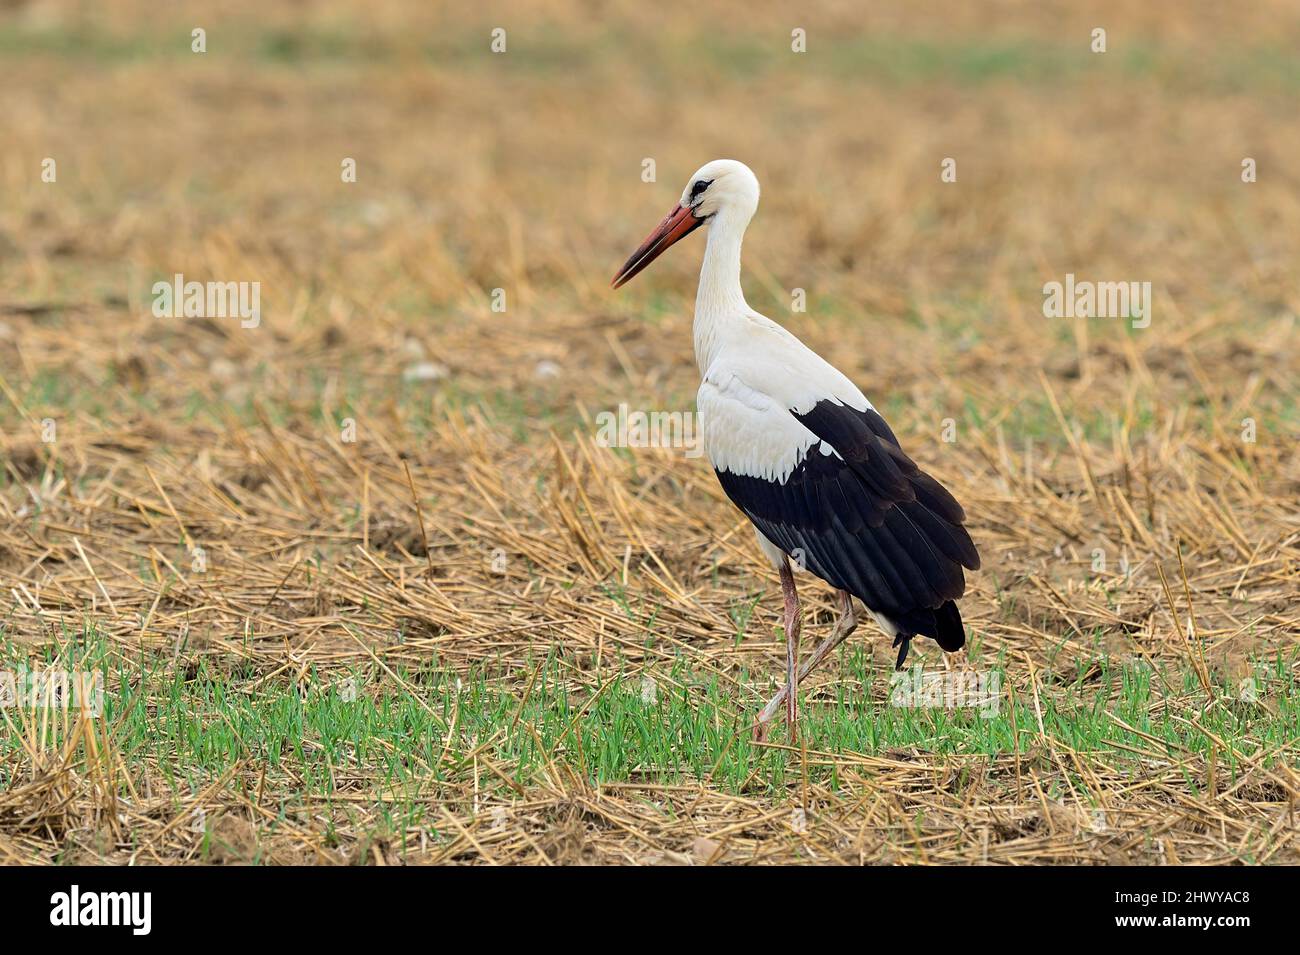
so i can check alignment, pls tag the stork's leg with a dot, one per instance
(793, 624)
(845, 626)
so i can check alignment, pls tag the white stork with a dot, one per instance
(803, 453)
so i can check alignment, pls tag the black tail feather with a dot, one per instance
(949, 632)
(943, 625)
(904, 643)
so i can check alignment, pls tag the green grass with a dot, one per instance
(188, 721)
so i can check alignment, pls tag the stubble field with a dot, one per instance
(363, 585)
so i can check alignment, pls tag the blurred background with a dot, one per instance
(522, 170)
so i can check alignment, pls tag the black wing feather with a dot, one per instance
(869, 521)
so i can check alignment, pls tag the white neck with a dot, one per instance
(719, 300)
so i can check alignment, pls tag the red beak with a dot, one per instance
(678, 223)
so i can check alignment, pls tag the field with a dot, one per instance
(365, 587)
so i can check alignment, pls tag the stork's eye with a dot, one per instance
(699, 187)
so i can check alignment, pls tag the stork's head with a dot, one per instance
(724, 189)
